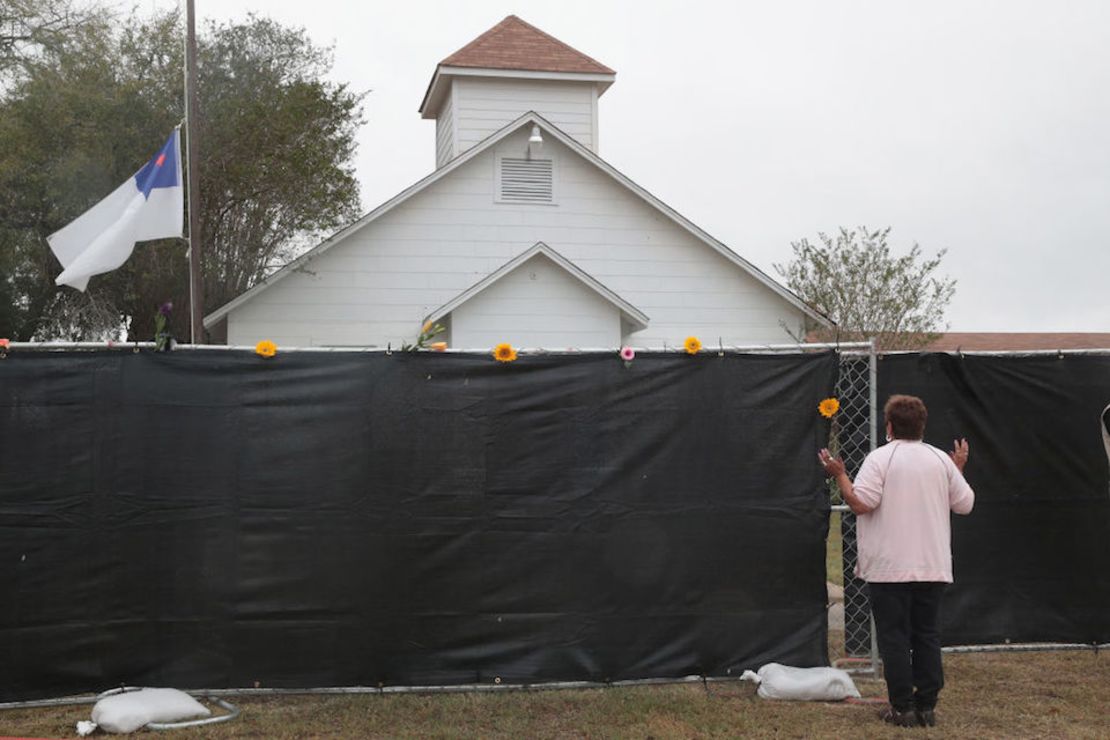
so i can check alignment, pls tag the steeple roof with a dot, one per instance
(518, 50)
(514, 44)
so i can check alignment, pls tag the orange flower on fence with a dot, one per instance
(828, 407)
(504, 352)
(692, 345)
(266, 348)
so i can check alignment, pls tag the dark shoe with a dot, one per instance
(926, 717)
(892, 716)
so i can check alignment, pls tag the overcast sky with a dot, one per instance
(978, 127)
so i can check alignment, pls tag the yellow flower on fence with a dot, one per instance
(828, 407)
(504, 352)
(692, 345)
(266, 348)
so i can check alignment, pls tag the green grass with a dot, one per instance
(1059, 695)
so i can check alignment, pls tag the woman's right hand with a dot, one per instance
(834, 466)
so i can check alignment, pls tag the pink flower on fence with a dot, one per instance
(628, 354)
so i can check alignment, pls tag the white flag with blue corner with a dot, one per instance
(150, 205)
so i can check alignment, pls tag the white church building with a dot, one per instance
(522, 234)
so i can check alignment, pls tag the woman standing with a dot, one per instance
(902, 497)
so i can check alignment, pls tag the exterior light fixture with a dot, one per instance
(535, 140)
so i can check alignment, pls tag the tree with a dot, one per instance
(856, 281)
(29, 26)
(73, 125)
(277, 142)
(276, 145)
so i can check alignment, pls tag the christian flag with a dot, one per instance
(148, 206)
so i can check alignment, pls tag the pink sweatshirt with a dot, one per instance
(906, 536)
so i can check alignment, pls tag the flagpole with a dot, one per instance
(196, 278)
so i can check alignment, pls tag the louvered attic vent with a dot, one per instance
(526, 181)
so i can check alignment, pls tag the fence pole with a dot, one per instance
(873, 389)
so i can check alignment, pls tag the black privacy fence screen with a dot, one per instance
(219, 519)
(1032, 560)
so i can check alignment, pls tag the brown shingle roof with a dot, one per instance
(514, 44)
(1001, 341)
(984, 341)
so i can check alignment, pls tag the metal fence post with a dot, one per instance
(854, 435)
(873, 385)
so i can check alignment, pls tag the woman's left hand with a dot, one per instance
(960, 453)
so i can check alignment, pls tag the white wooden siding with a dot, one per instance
(485, 105)
(445, 134)
(537, 304)
(379, 283)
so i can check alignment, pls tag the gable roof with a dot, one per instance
(514, 44)
(528, 119)
(635, 316)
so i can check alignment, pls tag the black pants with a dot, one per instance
(907, 624)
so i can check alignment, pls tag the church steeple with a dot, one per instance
(509, 70)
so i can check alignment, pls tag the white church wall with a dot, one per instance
(485, 105)
(537, 305)
(445, 133)
(378, 284)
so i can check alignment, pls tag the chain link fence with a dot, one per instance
(853, 436)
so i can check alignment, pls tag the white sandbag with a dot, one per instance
(133, 710)
(802, 684)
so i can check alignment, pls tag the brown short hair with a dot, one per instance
(907, 416)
